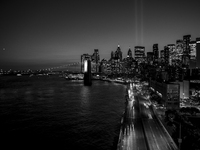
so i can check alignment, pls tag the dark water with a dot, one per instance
(51, 112)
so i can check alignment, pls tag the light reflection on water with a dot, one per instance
(85, 98)
(53, 110)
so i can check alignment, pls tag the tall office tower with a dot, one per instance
(118, 53)
(129, 54)
(172, 54)
(150, 57)
(179, 50)
(193, 54)
(139, 54)
(95, 61)
(186, 50)
(155, 52)
(162, 55)
(83, 58)
(128, 63)
(166, 55)
(198, 52)
(95, 56)
(115, 61)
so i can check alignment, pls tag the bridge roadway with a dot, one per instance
(141, 130)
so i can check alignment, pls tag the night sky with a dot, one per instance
(41, 34)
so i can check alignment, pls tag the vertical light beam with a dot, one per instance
(136, 24)
(142, 30)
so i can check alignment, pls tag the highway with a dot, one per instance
(132, 130)
(141, 130)
(157, 138)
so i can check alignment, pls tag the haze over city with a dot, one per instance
(37, 34)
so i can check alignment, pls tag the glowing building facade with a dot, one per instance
(186, 50)
(198, 52)
(193, 54)
(155, 52)
(95, 63)
(179, 51)
(172, 54)
(166, 55)
(139, 54)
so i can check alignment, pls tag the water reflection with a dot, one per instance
(85, 99)
(58, 110)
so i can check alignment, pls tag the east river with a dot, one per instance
(51, 112)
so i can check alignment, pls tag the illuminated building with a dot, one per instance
(116, 58)
(116, 67)
(172, 54)
(184, 89)
(83, 58)
(198, 52)
(162, 56)
(128, 63)
(95, 61)
(104, 66)
(95, 56)
(179, 51)
(118, 53)
(193, 54)
(166, 56)
(170, 93)
(139, 54)
(192, 50)
(186, 50)
(155, 52)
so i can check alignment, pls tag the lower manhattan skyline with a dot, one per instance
(37, 34)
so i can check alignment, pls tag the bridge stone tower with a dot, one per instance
(87, 73)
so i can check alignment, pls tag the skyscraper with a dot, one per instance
(95, 56)
(179, 51)
(166, 55)
(193, 54)
(95, 61)
(116, 59)
(198, 52)
(139, 54)
(155, 52)
(118, 53)
(172, 54)
(129, 54)
(186, 50)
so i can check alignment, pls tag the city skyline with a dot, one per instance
(44, 34)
